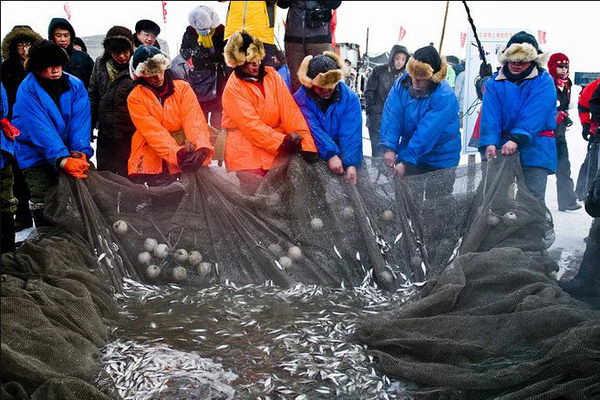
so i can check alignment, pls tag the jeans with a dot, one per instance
(536, 179)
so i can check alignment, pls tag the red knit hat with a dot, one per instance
(555, 60)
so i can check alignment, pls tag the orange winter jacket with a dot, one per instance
(256, 124)
(153, 140)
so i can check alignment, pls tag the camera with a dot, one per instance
(315, 18)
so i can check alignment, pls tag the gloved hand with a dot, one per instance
(310, 156)
(291, 143)
(75, 166)
(485, 69)
(191, 160)
(9, 129)
(560, 116)
(586, 132)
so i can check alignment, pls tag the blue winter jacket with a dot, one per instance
(422, 131)
(526, 111)
(48, 133)
(6, 145)
(338, 131)
(284, 71)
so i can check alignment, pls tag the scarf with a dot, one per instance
(113, 68)
(54, 87)
(206, 40)
(163, 92)
(517, 77)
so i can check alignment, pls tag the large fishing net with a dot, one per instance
(451, 234)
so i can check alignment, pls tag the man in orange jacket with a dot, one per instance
(259, 113)
(171, 132)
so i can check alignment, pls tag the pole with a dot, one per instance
(444, 27)
(367, 46)
(479, 46)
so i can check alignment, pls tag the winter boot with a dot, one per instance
(7, 233)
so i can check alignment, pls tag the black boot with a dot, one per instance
(7, 234)
(587, 281)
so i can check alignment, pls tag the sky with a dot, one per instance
(570, 26)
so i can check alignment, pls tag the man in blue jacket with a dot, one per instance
(332, 112)
(52, 112)
(518, 112)
(420, 124)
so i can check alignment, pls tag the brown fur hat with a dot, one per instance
(325, 70)
(242, 48)
(522, 52)
(426, 63)
(147, 61)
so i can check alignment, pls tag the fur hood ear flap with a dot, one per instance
(152, 66)
(520, 52)
(302, 73)
(418, 69)
(542, 60)
(329, 79)
(441, 74)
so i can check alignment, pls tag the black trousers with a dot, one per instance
(564, 184)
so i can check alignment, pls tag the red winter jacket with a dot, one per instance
(584, 102)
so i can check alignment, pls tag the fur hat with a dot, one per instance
(324, 70)
(18, 34)
(147, 26)
(147, 61)
(522, 47)
(44, 54)
(242, 48)
(118, 38)
(426, 63)
(203, 17)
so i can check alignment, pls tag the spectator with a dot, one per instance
(78, 44)
(378, 86)
(419, 124)
(109, 87)
(259, 113)
(201, 62)
(589, 115)
(558, 68)
(8, 202)
(52, 112)
(518, 112)
(146, 33)
(79, 64)
(333, 113)
(459, 85)
(307, 32)
(257, 18)
(171, 133)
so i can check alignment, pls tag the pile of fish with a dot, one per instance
(255, 341)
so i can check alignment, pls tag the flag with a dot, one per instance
(401, 33)
(164, 9)
(67, 9)
(542, 37)
(463, 39)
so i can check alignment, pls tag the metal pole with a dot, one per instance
(444, 27)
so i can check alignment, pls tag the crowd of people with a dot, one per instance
(231, 94)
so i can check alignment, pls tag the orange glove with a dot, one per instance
(9, 129)
(76, 167)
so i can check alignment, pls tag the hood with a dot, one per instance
(17, 34)
(61, 21)
(395, 50)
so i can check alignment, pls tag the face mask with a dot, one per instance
(203, 32)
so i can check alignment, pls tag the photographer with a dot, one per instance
(308, 32)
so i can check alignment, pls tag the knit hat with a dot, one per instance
(242, 48)
(426, 63)
(44, 54)
(324, 70)
(147, 61)
(147, 26)
(522, 47)
(18, 34)
(118, 39)
(555, 60)
(203, 17)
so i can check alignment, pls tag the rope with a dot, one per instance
(479, 46)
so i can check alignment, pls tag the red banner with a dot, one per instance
(401, 34)
(164, 9)
(463, 39)
(542, 37)
(67, 9)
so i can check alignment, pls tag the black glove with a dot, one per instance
(190, 161)
(586, 132)
(310, 156)
(485, 69)
(291, 143)
(568, 121)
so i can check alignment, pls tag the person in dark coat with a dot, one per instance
(109, 87)
(146, 33)
(52, 112)
(558, 68)
(15, 48)
(61, 32)
(588, 108)
(201, 62)
(307, 32)
(378, 86)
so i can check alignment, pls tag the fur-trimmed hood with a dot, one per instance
(17, 34)
(203, 17)
(235, 56)
(147, 61)
(421, 70)
(522, 52)
(325, 80)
